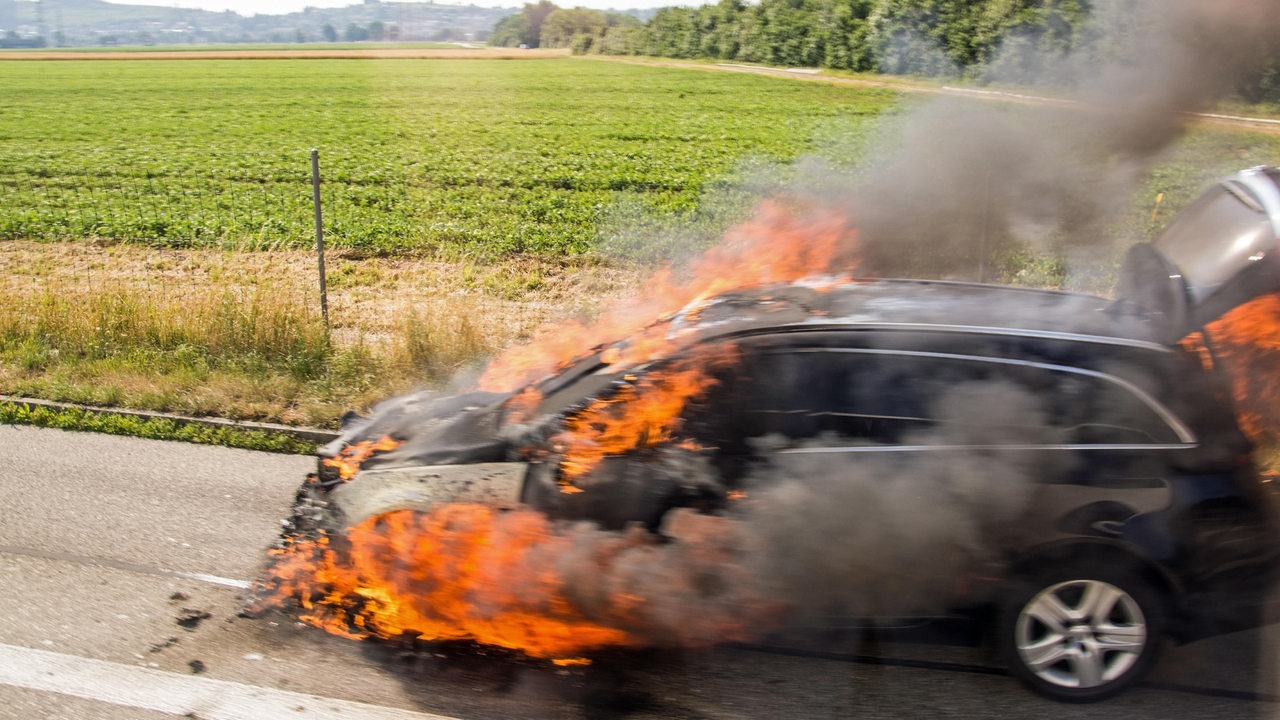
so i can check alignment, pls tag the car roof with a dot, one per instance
(826, 303)
(916, 304)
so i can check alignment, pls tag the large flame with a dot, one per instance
(1244, 346)
(516, 580)
(642, 412)
(456, 573)
(776, 245)
(780, 243)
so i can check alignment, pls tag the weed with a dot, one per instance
(153, 428)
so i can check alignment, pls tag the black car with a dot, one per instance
(1067, 462)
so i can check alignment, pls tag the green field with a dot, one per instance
(468, 196)
(243, 47)
(454, 158)
(479, 158)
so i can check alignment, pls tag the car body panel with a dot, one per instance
(1220, 252)
(385, 489)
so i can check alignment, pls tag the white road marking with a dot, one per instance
(214, 579)
(126, 566)
(180, 695)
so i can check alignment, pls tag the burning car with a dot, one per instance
(1108, 492)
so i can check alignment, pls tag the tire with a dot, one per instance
(1081, 634)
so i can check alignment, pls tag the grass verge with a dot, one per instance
(83, 419)
(240, 335)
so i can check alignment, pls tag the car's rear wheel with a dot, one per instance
(1081, 634)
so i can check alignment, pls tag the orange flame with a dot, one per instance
(453, 574)
(1245, 347)
(642, 413)
(781, 243)
(349, 460)
(515, 580)
(521, 407)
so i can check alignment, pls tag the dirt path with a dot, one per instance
(1271, 126)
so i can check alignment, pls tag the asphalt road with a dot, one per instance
(107, 543)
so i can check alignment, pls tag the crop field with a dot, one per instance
(478, 158)
(156, 216)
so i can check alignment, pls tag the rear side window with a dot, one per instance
(836, 396)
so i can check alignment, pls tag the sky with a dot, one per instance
(280, 7)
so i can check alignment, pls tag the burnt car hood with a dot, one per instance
(431, 430)
(1220, 252)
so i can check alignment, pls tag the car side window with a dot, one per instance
(1097, 411)
(836, 396)
(844, 396)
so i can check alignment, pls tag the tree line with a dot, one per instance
(1009, 40)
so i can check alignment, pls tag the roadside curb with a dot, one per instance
(315, 435)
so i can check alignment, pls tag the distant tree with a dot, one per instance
(959, 36)
(843, 27)
(1262, 85)
(1030, 45)
(535, 14)
(377, 30)
(718, 29)
(329, 33)
(1006, 39)
(673, 32)
(509, 31)
(300, 36)
(788, 33)
(752, 45)
(622, 40)
(562, 27)
(909, 36)
(355, 33)
(12, 39)
(620, 19)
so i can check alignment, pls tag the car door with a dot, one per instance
(1006, 436)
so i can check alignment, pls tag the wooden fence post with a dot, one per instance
(315, 195)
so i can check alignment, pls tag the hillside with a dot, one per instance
(73, 23)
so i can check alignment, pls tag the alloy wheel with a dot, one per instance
(1081, 634)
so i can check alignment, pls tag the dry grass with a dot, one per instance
(241, 334)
